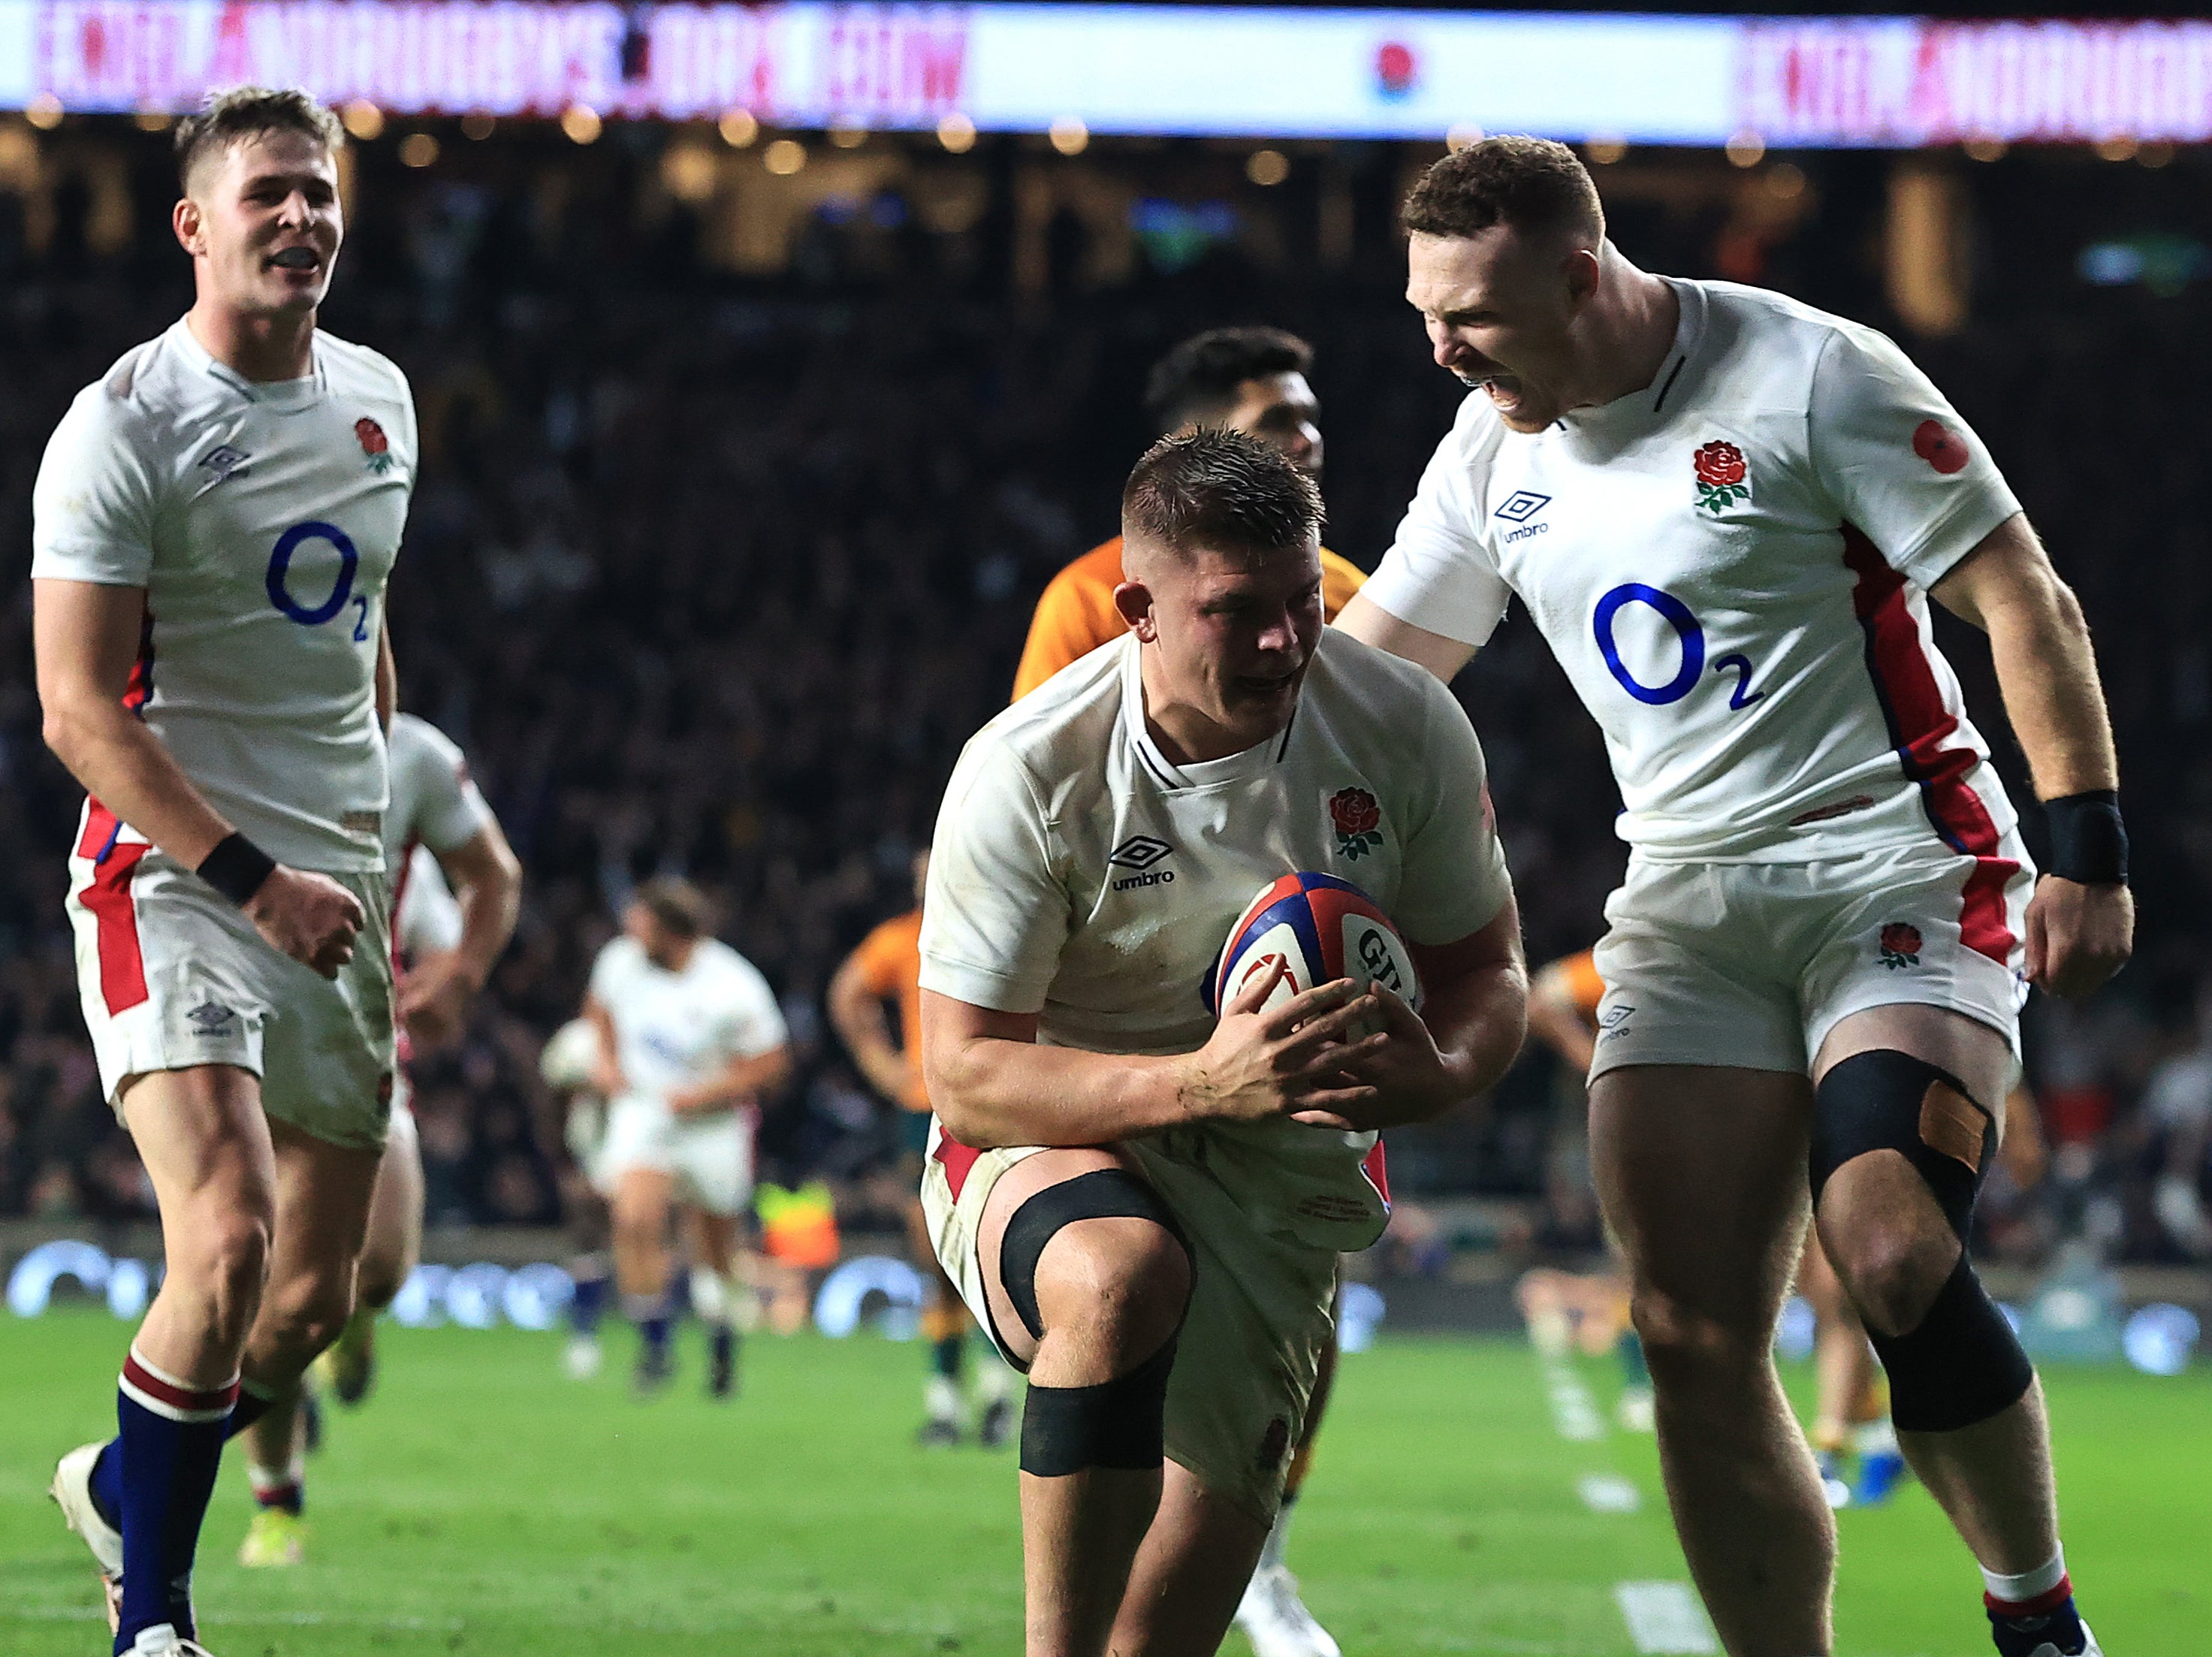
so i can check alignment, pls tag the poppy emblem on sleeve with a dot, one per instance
(1721, 472)
(373, 443)
(1940, 447)
(1359, 822)
(1900, 946)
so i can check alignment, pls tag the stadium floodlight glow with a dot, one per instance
(738, 128)
(418, 149)
(784, 157)
(1069, 135)
(581, 122)
(44, 112)
(364, 120)
(1268, 167)
(957, 133)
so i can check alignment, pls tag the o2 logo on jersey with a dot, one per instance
(279, 578)
(1689, 634)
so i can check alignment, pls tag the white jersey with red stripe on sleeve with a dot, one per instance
(1732, 566)
(435, 802)
(262, 520)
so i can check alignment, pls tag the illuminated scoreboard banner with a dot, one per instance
(1242, 72)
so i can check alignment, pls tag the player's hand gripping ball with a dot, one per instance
(1321, 929)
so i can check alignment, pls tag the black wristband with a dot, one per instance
(2088, 841)
(237, 868)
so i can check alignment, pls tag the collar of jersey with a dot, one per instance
(1650, 405)
(283, 395)
(1198, 773)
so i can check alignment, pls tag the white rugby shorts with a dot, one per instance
(1750, 965)
(709, 1157)
(173, 975)
(1260, 1309)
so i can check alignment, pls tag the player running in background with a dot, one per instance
(887, 967)
(214, 522)
(1142, 1205)
(1726, 513)
(1563, 1002)
(1251, 380)
(566, 1064)
(447, 938)
(690, 1037)
(1240, 380)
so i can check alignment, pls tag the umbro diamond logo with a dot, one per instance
(1138, 852)
(1522, 505)
(223, 460)
(210, 1018)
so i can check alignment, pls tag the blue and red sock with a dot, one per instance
(2034, 1610)
(252, 1404)
(169, 1444)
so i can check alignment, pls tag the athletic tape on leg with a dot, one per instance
(1107, 1193)
(1116, 1424)
(1961, 1363)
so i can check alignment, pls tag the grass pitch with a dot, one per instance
(482, 1503)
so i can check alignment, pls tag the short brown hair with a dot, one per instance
(1200, 376)
(1525, 184)
(228, 118)
(676, 904)
(1219, 489)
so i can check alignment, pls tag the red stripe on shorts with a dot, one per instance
(1920, 724)
(956, 1158)
(1377, 1168)
(107, 897)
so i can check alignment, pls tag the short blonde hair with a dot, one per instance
(229, 118)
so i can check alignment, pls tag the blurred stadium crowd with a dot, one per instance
(714, 571)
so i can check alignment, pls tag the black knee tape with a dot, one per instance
(1887, 1100)
(1117, 1423)
(1961, 1365)
(1108, 1193)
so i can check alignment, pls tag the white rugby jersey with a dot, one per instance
(1732, 566)
(673, 1030)
(1077, 875)
(435, 802)
(262, 520)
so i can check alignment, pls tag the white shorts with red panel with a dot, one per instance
(173, 975)
(1751, 965)
(1260, 1316)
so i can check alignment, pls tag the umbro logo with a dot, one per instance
(1522, 505)
(210, 1019)
(223, 460)
(1138, 852)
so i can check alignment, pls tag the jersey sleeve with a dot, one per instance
(755, 1023)
(1440, 574)
(1896, 461)
(1065, 629)
(608, 972)
(995, 918)
(452, 809)
(1455, 879)
(93, 505)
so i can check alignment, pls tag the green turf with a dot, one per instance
(482, 1503)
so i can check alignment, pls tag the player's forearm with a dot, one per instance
(1478, 1020)
(123, 765)
(989, 1092)
(2047, 671)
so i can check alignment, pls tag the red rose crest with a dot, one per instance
(1900, 946)
(1721, 471)
(1359, 822)
(373, 443)
(1940, 447)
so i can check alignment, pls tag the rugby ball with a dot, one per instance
(1323, 929)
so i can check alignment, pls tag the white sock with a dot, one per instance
(1876, 1437)
(943, 1399)
(2028, 1585)
(1279, 1537)
(994, 1383)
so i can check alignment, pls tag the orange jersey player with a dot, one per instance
(1249, 379)
(886, 966)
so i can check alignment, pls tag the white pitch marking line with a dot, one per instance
(1665, 1619)
(1574, 1410)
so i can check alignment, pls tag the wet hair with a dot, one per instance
(676, 904)
(1219, 490)
(1200, 376)
(1525, 184)
(229, 118)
